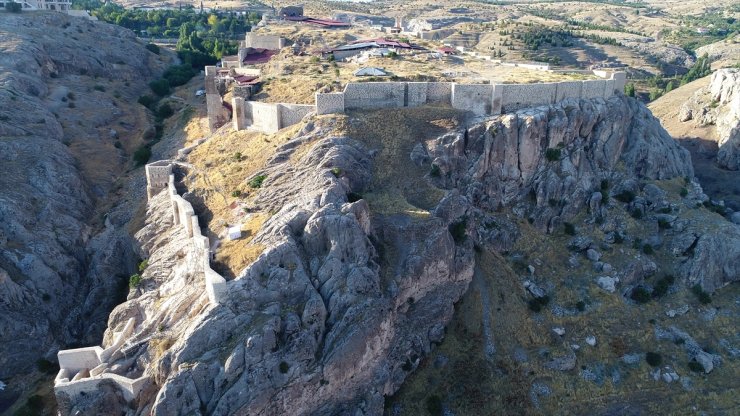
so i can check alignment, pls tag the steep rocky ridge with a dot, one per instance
(68, 93)
(350, 293)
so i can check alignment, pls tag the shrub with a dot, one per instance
(236, 194)
(165, 111)
(536, 304)
(146, 100)
(160, 87)
(662, 285)
(46, 366)
(653, 358)
(71, 95)
(636, 214)
(696, 366)
(143, 265)
(71, 105)
(663, 224)
(625, 196)
(134, 280)
(684, 192)
(336, 172)
(640, 295)
(238, 156)
(700, 294)
(13, 7)
(177, 75)
(552, 154)
(618, 238)
(457, 229)
(648, 249)
(256, 182)
(434, 405)
(46, 297)
(284, 367)
(435, 172)
(142, 155)
(99, 88)
(353, 197)
(569, 228)
(581, 306)
(152, 48)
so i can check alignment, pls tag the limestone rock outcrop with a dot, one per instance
(718, 104)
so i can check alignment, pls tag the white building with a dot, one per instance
(58, 5)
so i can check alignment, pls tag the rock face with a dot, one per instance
(718, 104)
(59, 273)
(547, 162)
(342, 304)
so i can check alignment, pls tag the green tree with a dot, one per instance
(629, 90)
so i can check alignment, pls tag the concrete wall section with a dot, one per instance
(620, 80)
(593, 88)
(265, 116)
(416, 94)
(237, 105)
(497, 99)
(518, 96)
(439, 93)
(79, 358)
(568, 89)
(369, 95)
(608, 88)
(291, 114)
(472, 97)
(329, 103)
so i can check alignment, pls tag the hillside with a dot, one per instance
(69, 123)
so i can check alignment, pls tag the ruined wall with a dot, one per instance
(272, 42)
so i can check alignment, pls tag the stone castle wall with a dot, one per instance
(81, 370)
(267, 117)
(481, 99)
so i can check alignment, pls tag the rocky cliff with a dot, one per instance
(718, 104)
(350, 293)
(67, 85)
